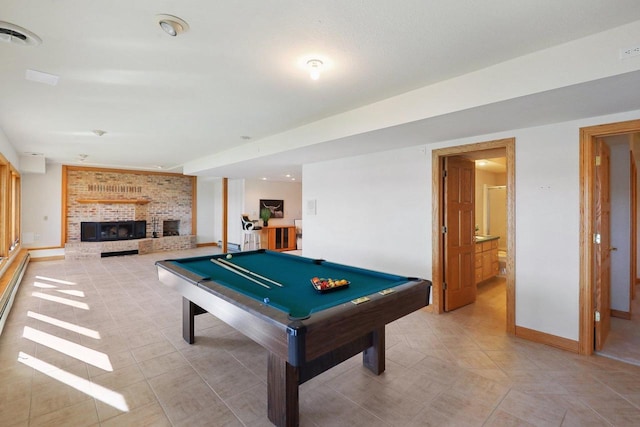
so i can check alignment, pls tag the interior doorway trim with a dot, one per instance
(588, 136)
(509, 144)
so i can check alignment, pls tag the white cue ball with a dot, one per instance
(229, 256)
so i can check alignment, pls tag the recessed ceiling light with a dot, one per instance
(481, 162)
(263, 178)
(172, 25)
(11, 33)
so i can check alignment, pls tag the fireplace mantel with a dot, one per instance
(114, 201)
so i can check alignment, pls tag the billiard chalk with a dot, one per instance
(266, 300)
(229, 256)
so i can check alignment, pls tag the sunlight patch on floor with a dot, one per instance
(44, 285)
(72, 293)
(60, 281)
(65, 325)
(77, 351)
(60, 300)
(103, 394)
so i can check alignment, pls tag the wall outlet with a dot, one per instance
(629, 52)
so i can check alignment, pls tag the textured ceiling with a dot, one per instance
(235, 73)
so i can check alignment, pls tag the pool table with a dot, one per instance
(305, 331)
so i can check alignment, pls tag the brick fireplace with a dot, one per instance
(117, 197)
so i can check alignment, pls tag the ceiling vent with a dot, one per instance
(10, 33)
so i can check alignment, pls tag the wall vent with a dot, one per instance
(10, 33)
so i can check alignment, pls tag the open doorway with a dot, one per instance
(597, 294)
(501, 148)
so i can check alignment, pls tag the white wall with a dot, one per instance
(547, 229)
(376, 213)
(209, 210)
(620, 227)
(289, 192)
(372, 211)
(235, 208)
(42, 208)
(8, 151)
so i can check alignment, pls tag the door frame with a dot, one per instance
(588, 137)
(437, 201)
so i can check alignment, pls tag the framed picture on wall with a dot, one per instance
(275, 206)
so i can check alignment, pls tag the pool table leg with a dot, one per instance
(373, 357)
(189, 313)
(282, 392)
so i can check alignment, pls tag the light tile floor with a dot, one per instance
(623, 342)
(99, 343)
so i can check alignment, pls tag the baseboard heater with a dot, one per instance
(6, 299)
(119, 253)
(231, 247)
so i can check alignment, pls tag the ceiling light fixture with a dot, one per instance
(11, 33)
(172, 25)
(314, 66)
(98, 132)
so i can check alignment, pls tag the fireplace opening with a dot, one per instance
(171, 227)
(113, 230)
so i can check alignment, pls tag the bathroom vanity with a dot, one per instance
(486, 258)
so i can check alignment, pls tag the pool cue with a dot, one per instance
(230, 264)
(218, 263)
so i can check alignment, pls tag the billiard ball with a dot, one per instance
(229, 256)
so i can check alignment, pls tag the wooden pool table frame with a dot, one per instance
(299, 349)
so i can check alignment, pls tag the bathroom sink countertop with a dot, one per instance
(480, 239)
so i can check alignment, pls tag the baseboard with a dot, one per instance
(202, 245)
(46, 254)
(548, 339)
(621, 314)
(47, 258)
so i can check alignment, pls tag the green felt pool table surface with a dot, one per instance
(297, 297)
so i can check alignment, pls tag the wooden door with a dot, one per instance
(459, 222)
(634, 233)
(602, 245)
